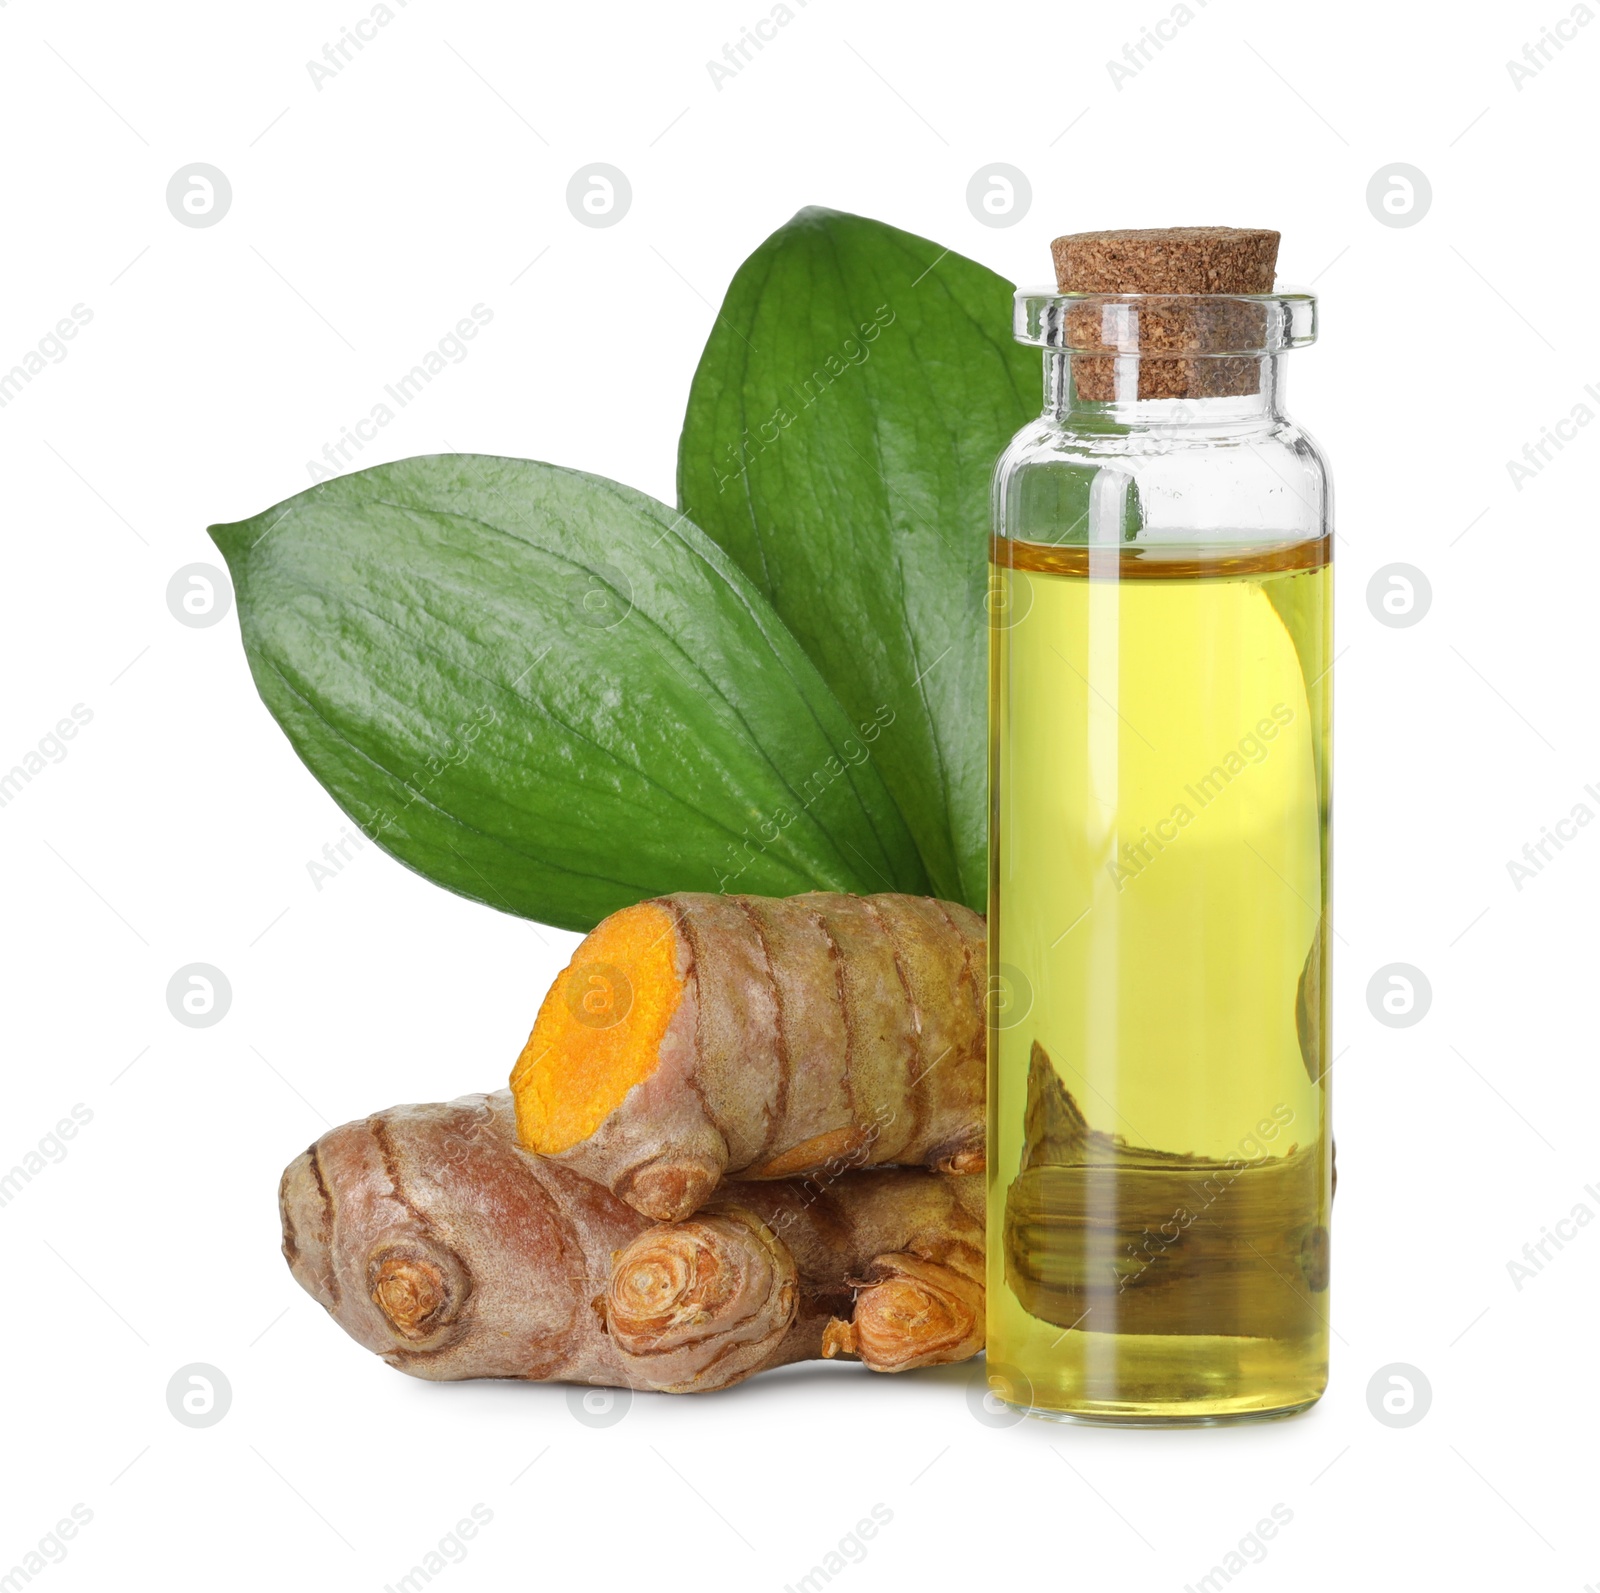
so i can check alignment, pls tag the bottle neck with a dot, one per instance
(1254, 396)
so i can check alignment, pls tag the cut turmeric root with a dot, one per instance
(437, 1242)
(697, 1036)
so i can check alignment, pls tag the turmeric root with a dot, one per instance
(1119, 1238)
(914, 1313)
(694, 1036)
(437, 1242)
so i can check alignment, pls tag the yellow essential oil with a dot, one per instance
(1160, 1168)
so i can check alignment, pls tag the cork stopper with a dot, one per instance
(1169, 260)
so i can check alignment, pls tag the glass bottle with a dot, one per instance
(1159, 1159)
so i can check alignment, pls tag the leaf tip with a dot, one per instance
(229, 538)
(820, 218)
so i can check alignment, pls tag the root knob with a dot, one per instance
(672, 1190)
(701, 1304)
(918, 1313)
(417, 1293)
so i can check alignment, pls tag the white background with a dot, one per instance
(367, 218)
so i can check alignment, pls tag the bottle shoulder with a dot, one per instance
(1266, 474)
(1051, 439)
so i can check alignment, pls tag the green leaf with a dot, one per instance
(552, 694)
(841, 433)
